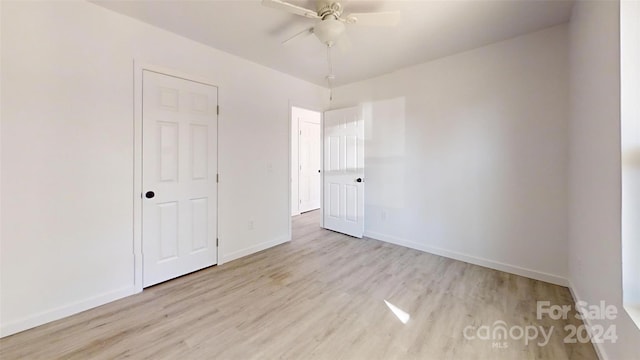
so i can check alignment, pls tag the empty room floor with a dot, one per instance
(320, 296)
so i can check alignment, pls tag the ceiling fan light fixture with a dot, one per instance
(329, 30)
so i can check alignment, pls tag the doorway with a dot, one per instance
(306, 160)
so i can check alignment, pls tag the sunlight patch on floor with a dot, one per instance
(401, 315)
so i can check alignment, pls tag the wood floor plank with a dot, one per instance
(320, 296)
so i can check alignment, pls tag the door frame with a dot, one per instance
(293, 104)
(138, 69)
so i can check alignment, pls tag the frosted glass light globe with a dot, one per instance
(329, 30)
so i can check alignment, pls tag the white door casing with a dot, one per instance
(309, 169)
(179, 165)
(343, 208)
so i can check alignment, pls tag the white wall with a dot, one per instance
(298, 113)
(630, 146)
(67, 152)
(1, 159)
(594, 168)
(466, 155)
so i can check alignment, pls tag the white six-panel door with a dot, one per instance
(344, 171)
(309, 159)
(179, 204)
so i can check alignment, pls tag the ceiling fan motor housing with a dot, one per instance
(328, 9)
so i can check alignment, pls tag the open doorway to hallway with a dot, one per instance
(306, 161)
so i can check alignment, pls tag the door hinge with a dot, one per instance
(217, 109)
(217, 242)
(300, 132)
(217, 178)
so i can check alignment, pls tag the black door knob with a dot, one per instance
(318, 170)
(359, 179)
(149, 194)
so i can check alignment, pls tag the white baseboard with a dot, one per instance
(44, 317)
(602, 355)
(253, 249)
(513, 269)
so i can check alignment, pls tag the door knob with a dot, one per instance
(149, 194)
(359, 180)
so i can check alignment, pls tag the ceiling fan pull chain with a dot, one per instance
(330, 77)
(329, 60)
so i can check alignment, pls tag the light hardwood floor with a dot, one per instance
(321, 296)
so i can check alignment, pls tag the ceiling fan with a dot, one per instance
(331, 22)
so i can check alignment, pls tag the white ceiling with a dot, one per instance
(428, 30)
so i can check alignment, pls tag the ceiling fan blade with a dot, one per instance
(387, 18)
(294, 9)
(301, 34)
